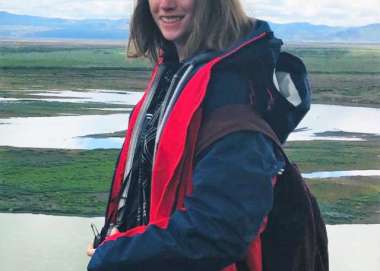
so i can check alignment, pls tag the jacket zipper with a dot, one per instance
(136, 132)
(168, 106)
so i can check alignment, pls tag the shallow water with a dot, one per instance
(97, 95)
(8, 99)
(63, 132)
(94, 95)
(40, 242)
(337, 174)
(336, 118)
(66, 131)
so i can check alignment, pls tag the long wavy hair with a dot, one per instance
(224, 20)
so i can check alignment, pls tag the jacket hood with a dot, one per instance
(289, 95)
(280, 86)
(281, 91)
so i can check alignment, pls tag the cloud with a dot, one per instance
(70, 9)
(330, 12)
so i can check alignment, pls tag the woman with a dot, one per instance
(184, 197)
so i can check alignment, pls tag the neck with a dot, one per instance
(180, 50)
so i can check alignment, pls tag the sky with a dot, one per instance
(327, 12)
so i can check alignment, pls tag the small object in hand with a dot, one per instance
(97, 237)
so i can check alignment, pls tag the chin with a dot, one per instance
(171, 37)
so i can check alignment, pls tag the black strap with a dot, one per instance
(233, 118)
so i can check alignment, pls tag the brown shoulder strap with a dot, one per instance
(232, 118)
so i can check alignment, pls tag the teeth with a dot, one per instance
(171, 19)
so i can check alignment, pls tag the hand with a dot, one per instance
(90, 250)
(114, 231)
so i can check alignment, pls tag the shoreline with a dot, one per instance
(63, 215)
(76, 182)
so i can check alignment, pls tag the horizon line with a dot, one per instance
(127, 18)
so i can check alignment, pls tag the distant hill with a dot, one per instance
(322, 33)
(14, 26)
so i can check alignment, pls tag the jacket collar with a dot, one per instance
(260, 29)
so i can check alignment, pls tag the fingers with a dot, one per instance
(90, 250)
(114, 231)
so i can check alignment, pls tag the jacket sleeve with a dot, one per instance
(232, 193)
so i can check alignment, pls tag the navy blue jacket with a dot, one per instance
(232, 193)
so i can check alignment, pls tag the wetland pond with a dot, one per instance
(62, 132)
(40, 242)
(338, 174)
(95, 95)
(323, 122)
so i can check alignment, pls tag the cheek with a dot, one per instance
(189, 6)
(190, 13)
(155, 18)
(153, 7)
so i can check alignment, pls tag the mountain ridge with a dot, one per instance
(13, 26)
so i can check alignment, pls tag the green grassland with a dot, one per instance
(61, 55)
(335, 155)
(348, 200)
(76, 182)
(55, 181)
(72, 79)
(64, 66)
(49, 109)
(344, 74)
(108, 135)
(338, 59)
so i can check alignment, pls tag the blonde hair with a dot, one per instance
(225, 20)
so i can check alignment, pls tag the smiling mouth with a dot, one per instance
(171, 19)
